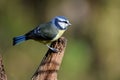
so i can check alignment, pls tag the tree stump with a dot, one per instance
(51, 62)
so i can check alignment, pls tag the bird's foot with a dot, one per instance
(53, 49)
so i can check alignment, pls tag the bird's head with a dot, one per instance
(61, 22)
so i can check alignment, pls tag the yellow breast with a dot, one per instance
(60, 32)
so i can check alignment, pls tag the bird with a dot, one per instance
(45, 33)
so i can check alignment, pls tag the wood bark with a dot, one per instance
(3, 76)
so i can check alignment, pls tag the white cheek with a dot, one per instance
(63, 25)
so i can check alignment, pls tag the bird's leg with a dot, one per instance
(53, 49)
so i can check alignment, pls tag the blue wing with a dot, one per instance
(43, 32)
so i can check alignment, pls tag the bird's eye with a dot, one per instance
(65, 22)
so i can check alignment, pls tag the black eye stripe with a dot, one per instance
(64, 21)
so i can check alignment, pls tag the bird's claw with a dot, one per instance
(53, 49)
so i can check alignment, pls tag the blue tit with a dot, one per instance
(47, 32)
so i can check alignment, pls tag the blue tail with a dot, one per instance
(19, 39)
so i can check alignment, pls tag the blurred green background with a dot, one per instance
(93, 49)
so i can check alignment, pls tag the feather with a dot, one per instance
(19, 39)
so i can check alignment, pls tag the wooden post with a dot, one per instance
(51, 62)
(3, 76)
